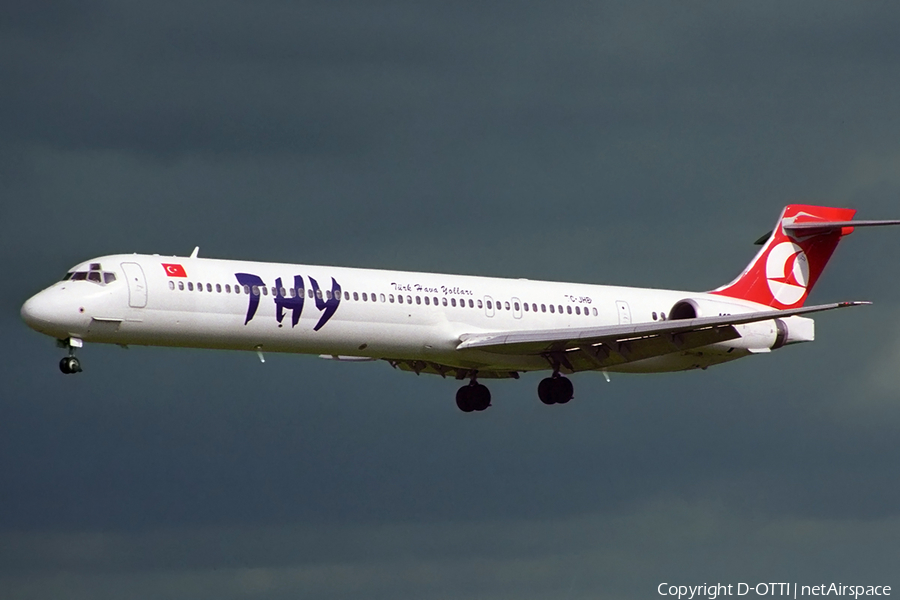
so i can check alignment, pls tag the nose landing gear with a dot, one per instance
(69, 364)
(473, 397)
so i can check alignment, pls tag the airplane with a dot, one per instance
(469, 328)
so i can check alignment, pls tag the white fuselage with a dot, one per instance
(407, 318)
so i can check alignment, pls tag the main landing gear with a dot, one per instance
(555, 390)
(69, 364)
(473, 397)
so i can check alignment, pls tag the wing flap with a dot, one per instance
(608, 354)
(632, 341)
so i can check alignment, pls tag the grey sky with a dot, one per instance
(636, 143)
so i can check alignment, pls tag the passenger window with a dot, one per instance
(380, 297)
(427, 301)
(471, 303)
(506, 305)
(480, 305)
(560, 308)
(365, 297)
(219, 288)
(319, 294)
(662, 316)
(208, 287)
(356, 296)
(181, 286)
(418, 300)
(109, 277)
(490, 305)
(171, 285)
(400, 298)
(247, 290)
(391, 298)
(347, 295)
(265, 290)
(525, 306)
(199, 287)
(255, 290)
(543, 308)
(409, 299)
(227, 288)
(595, 312)
(328, 294)
(94, 276)
(577, 310)
(282, 292)
(452, 301)
(654, 315)
(516, 306)
(552, 309)
(444, 301)
(190, 286)
(435, 300)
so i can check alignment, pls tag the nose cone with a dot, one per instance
(39, 311)
(36, 311)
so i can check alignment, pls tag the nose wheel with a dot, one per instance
(555, 390)
(70, 364)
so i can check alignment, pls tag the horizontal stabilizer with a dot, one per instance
(825, 226)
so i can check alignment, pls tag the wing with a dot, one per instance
(618, 344)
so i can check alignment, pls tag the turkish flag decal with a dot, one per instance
(174, 270)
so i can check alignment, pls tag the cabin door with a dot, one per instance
(137, 285)
(624, 312)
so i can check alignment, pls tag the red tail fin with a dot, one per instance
(791, 261)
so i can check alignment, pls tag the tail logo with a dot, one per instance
(787, 272)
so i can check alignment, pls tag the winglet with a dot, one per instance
(195, 252)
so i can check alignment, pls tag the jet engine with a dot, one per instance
(761, 336)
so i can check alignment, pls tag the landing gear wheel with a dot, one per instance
(69, 365)
(565, 391)
(545, 391)
(473, 397)
(464, 399)
(555, 390)
(481, 397)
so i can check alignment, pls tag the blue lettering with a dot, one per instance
(250, 280)
(328, 306)
(295, 305)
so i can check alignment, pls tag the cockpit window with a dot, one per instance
(95, 274)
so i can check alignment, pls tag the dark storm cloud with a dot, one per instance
(643, 144)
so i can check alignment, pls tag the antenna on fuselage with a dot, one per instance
(195, 252)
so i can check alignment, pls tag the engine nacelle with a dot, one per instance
(761, 336)
(691, 308)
